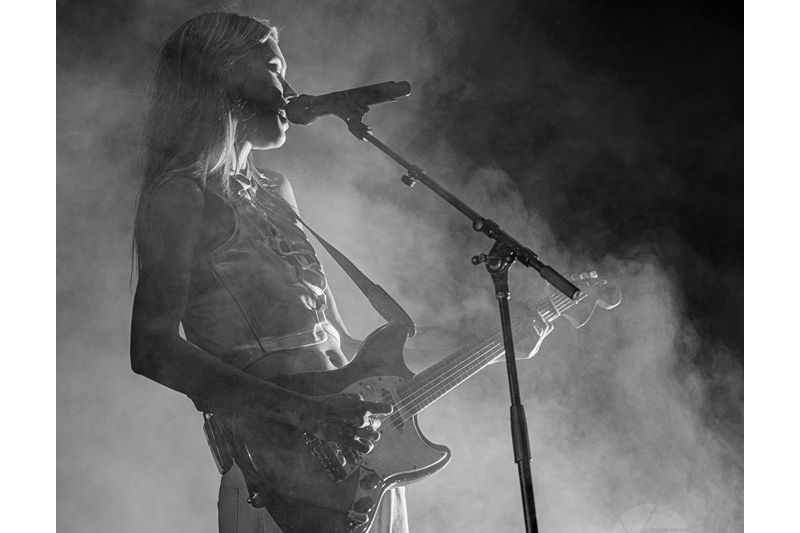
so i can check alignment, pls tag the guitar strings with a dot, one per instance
(479, 356)
(547, 315)
(407, 410)
(411, 398)
(409, 401)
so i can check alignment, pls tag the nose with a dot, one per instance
(288, 92)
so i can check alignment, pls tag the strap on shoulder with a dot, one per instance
(381, 301)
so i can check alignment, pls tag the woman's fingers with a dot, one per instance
(353, 423)
(377, 408)
(368, 433)
(361, 445)
(367, 411)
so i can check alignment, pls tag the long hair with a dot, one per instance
(193, 120)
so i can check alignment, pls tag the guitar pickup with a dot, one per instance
(326, 457)
(394, 419)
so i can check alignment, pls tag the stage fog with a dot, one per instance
(604, 140)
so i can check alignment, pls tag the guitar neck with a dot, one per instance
(436, 381)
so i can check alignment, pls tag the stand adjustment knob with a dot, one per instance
(408, 180)
(478, 259)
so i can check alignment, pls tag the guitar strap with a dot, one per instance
(381, 301)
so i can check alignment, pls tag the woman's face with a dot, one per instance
(259, 80)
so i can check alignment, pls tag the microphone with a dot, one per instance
(305, 109)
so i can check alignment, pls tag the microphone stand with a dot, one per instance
(504, 252)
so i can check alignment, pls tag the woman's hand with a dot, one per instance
(528, 345)
(346, 420)
(542, 328)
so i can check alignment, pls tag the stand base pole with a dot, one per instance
(519, 424)
(505, 251)
(522, 456)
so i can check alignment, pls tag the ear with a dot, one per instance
(235, 73)
(232, 77)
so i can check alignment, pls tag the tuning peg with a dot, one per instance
(583, 276)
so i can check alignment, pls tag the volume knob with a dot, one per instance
(370, 481)
(364, 505)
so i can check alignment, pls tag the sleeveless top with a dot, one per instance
(263, 289)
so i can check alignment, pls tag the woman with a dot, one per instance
(221, 256)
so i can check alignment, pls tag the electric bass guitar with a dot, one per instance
(301, 480)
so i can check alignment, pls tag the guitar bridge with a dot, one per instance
(326, 457)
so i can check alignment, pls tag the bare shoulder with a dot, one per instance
(282, 184)
(171, 219)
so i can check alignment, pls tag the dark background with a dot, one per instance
(663, 146)
(615, 130)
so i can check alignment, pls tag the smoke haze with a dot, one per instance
(602, 138)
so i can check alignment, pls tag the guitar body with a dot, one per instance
(295, 477)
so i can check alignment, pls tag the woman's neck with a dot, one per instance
(244, 156)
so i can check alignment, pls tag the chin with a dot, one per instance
(274, 141)
(274, 136)
(271, 145)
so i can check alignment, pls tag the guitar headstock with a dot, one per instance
(596, 291)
